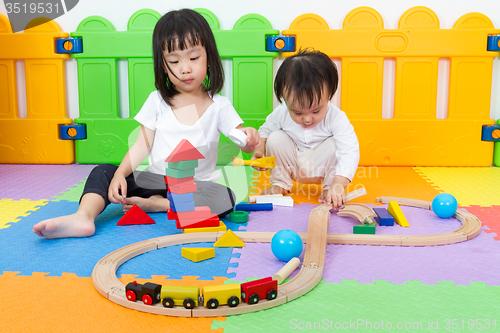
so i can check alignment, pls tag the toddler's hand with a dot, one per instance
(258, 154)
(253, 137)
(334, 196)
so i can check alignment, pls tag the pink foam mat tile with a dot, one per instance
(470, 261)
(37, 182)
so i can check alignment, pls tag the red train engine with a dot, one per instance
(253, 291)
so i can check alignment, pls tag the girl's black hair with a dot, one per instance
(303, 77)
(179, 29)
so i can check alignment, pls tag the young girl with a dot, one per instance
(188, 76)
(312, 140)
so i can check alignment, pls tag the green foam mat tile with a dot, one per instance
(379, 307)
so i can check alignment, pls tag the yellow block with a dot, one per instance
(414, 136)
(397, 213)
(221, 227)
(229, 239)
(197, 254)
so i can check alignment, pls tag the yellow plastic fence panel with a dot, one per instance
(414, 135)
(34, 139)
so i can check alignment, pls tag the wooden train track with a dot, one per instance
(311, 272)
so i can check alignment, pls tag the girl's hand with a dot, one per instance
(118, 184)
(258, 154)
(253, 137)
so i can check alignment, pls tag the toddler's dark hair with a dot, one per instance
(304, 75)
(181, 28)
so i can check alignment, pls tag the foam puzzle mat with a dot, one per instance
(46, 285)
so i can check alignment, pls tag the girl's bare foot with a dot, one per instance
(75, 225)
(275, 189)
(153, 204)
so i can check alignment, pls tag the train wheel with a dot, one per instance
(131, 296)
(254, 299)
(212, 303)
(272, 294)
(147, 299)
(233, 301)
(168, 302)
(243, 296)
(188, 303)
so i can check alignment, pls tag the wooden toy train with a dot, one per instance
(211, 296)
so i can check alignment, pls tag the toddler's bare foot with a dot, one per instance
(275, 189)
(153, 204)
(74, 225)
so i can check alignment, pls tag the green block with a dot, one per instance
(179, 173)
(367, 228)
(183, 165)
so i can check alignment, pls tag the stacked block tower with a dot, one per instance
(179, 179)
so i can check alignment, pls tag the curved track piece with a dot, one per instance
(363, 213)
(108, 285)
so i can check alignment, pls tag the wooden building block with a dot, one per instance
(198, 254)
(171, 181)
(383, 217)
(179, 198)
(276, 201)
(200, 213)
(366, 228)
(229, 239)
(135, 216)
(174, 173)
(212, 221)
(183, 165)
(183, 189)
(221, 227)
(184, 151)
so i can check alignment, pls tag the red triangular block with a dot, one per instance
(184, 151)
(135, 216)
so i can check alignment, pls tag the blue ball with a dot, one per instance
(286, 244)
(444, 205)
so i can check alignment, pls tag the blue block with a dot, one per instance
(280, 43)
(383, 216)
(251, 207)
(179, 198)
(182, 206)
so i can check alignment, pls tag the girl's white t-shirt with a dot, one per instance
(220, 117)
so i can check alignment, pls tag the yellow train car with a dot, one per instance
(229, 294)
(180, 295)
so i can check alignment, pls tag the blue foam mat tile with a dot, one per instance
(25, 252)
(169, 261)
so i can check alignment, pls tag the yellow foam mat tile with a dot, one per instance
(378, 181)
(69, 303)
(12, 210)
(469, 185)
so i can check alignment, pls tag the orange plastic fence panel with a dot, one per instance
(34, 139)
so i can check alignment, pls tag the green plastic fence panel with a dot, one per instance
(496, 153)
(108, 134)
